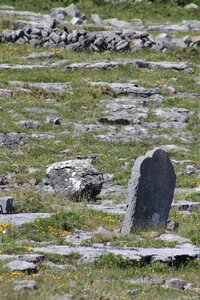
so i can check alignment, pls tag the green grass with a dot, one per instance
(109, 277)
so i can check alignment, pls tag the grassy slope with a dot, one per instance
(108, 278)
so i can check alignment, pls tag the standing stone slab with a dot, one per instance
(150, 191)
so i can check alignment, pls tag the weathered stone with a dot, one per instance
(40, 55)
(38, 110)
(72, 10)
(6, 93)
(31, 258)
(125, 88)
(55, 37)
(168, 237)
(173, 114)
(6, 205)
(75, 179)
(172, 225)
(29, 124)
(29, 285)
(55, 87)
(172, 256)
(20, 219)
(12, 139)
(150, 191)
(22, 266)
(176, 283)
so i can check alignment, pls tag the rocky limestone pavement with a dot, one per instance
(41, 65)
(6, 93)
(36, 55)
(137, 63)
(55, 87)
(168, 237)
(125, 89)
(22, 266)
(21, 285)
(169, 283)
(173, 256)
(31, 258)
(75, 179)
(22, 218)
(12, 140)
(30, 124)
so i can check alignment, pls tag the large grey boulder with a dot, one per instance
(150, 191)
(75, 179)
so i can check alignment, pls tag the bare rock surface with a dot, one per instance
(21, 285)
(55, 87)
(30, 124)
(168, 237)
(138, 63)
(22, 218)
(41, 65)
(169, 255)
(38, 55)
(75, 179)
(21, 266)
(6, 93)
(31, 258)
(126, 88)
(169, 283)
(12, 139)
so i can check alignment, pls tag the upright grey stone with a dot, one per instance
(150, 191)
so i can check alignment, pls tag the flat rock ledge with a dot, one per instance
(22, 266)
(137, 63)
(20, 219)
(173, 256)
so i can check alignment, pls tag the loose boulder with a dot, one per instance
(150, 191)
(75, 179)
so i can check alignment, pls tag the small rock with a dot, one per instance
(172, 225)
(30, 124)
(172, 238)
(72, 10)
(176, 283)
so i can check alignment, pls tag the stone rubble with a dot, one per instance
(96, 41)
